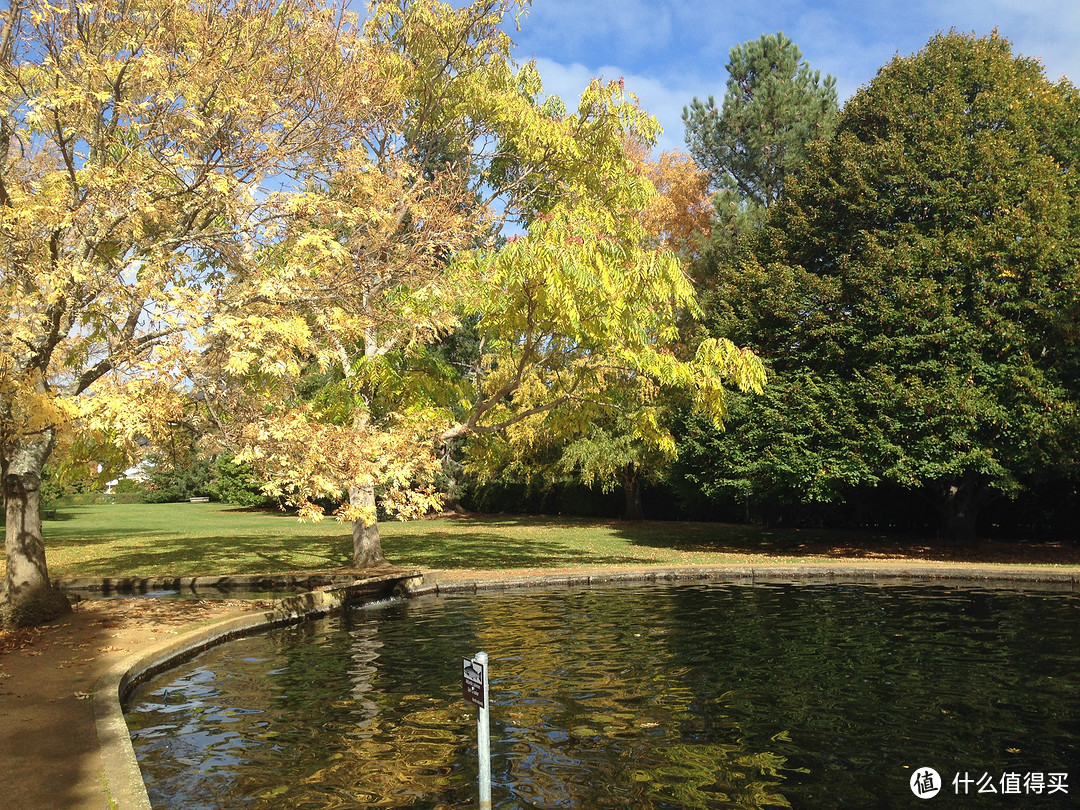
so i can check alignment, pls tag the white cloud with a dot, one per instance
(587, 27)
(1048, 30)
(663, 101)
(670, 51)
(852, 39)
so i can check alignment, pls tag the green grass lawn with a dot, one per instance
(185, 539)
(192, 539)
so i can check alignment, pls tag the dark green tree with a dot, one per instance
(763, 469)
(800, 443)
(235, 482)
(179, 478)
(926, 274)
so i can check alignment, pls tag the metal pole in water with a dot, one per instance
(474, 688)
(483, 738)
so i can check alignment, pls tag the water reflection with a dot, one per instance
(689, 696)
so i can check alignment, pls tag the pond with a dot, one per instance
(661, 696)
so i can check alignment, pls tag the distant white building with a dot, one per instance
(136, 473)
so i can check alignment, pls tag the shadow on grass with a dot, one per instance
(256, 554)
(195, 540)
(720, 540)
(725, 538)
(201, 556)
(840, 544)
(151, 540)
(512, 541)
(492, 550)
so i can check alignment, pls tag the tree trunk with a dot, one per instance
(632, 490)
(28, 596)
(367, 547)
(959, 504)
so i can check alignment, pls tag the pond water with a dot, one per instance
(645, 696)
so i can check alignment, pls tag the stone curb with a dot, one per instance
(436, 582)
(236, 582)
(124, 780)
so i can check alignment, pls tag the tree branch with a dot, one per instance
(470, 427)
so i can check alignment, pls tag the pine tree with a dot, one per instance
(774, 105)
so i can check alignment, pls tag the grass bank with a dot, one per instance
(188, 539)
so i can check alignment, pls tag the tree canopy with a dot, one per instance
(261, 216)
(922, 276)
(774, 106)
(146, 149)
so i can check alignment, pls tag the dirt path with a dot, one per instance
(49, 748)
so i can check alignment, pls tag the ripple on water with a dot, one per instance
(661, 696)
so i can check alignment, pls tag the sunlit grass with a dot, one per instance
(187, 539)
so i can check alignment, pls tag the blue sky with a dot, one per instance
(670, 51)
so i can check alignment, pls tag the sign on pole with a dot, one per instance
(474, 688)
(472, 682)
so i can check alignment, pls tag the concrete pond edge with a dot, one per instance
(120, 767)
(124, 780)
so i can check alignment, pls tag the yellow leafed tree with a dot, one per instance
(150, 151)
(266, 213)
(465, 144)
(587, 326)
